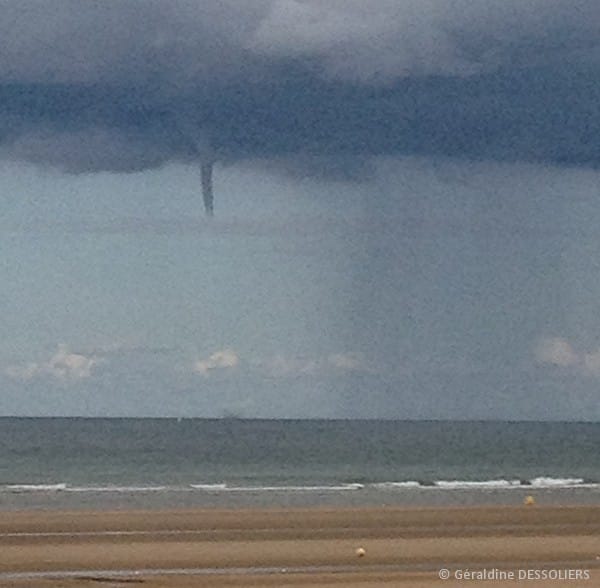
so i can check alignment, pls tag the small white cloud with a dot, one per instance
(591, 362)
(63, 365)
(559, 352)
(22, 372)
(556, 351)
(223, 359)
(352, 362)
(280, 366)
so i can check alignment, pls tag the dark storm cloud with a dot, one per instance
(131, 85)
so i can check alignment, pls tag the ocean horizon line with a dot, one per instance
(289, 419)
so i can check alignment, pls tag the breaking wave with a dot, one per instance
(389, 486)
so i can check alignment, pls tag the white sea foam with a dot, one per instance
(217, 488)
(545, 482)
(209, 487)
(477, 484)
(391, 485)
(226, 488)
(35, 487)
(123, 489)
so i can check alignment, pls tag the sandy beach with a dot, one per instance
(529, 546)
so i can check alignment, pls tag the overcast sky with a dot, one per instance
(407, 211)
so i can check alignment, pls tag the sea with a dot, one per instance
(113, 463)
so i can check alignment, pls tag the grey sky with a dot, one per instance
(406, 209)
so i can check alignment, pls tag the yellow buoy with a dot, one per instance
(529, 500)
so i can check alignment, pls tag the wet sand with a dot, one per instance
(302, 547)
